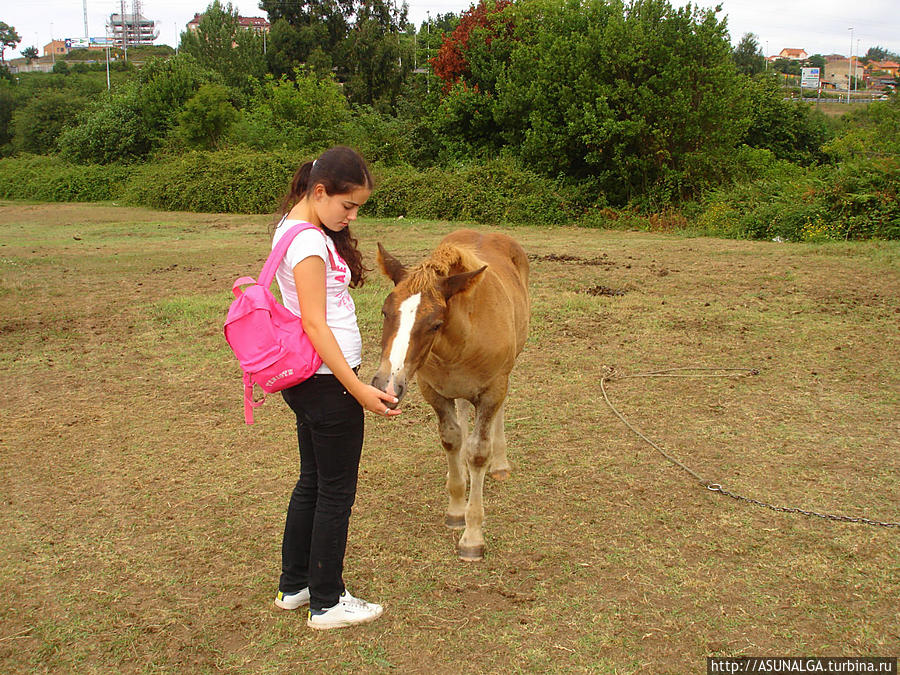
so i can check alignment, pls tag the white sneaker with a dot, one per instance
(292, 600)
(349, 611)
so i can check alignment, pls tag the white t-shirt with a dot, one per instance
(340, 311)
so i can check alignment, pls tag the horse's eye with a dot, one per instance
(436, 327)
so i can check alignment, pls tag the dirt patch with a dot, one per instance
(566, 258)
(604, 291)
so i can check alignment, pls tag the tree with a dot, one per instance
(299, 27)
(222, 45)
(817, 61)
(7, 106)
(748, 57)
(639, 97)
(790, 129)
(8, 38)
(164, 86)
(38, 124)
(374, 67)
(137, 117)
(880, 54)
(786, 66)
(206, 117)
(30, 53)
(303, 113)
(112, 129)
(431, 35)
(477, 30)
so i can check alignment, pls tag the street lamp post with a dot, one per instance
(849, 66)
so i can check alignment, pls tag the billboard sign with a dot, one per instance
(86, 43)
(809, 78)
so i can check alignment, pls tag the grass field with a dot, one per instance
(141, 519)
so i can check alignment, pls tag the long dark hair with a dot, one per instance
(339, 170)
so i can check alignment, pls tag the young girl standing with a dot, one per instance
(314, 277)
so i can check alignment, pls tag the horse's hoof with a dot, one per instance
(500, 474)
(455, 522)
(470, 553)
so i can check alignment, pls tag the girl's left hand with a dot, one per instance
(374, 400)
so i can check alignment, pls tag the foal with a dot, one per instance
(457, 322)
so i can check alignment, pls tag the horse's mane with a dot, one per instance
(446, 259)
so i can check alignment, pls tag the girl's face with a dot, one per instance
(337, 211)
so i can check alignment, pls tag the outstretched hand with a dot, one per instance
(376, 401)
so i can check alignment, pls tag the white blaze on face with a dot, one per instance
(400, 347)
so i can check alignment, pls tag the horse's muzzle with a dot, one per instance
(390, 385)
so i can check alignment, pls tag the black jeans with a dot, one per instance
(330, 436)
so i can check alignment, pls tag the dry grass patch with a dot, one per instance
(142, 519)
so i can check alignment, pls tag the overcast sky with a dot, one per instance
(818, 26)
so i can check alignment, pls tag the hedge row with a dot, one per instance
(857, 200)
(47, 179)
(254, 182)
(213, 182)
(495, 192)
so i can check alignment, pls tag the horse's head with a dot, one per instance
(415, 314)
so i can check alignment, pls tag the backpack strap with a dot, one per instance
(279, 251)
(249, 403)
(243, 281)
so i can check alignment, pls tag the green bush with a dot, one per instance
(50, 179)
(381, 138)
(205, 118)
(792, 130)
(7, 106)
(163, 87)
(862, 200)
(853, 201)
(304, 115)
(109, 130)
(230, 181)
(38, 124)
(855, 198)
(240, 181)
(494, 192)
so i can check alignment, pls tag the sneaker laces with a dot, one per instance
(348, 599)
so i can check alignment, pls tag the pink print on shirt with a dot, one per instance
(343, 298)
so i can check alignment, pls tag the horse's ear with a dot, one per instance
(392, 268)
(459, 283)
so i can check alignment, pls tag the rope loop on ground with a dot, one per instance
(695, 372)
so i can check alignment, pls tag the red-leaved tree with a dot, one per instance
(451, 63)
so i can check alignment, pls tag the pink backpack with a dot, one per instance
(267, 339)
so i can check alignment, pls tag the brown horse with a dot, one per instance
(457, 322)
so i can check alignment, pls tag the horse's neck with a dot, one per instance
(452, 343)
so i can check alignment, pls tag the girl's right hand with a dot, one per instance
(374, 400)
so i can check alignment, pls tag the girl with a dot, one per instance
(319, 267)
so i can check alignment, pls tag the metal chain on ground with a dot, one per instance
(716, 487)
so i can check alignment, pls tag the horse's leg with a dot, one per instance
(478, 455)
(452, 434)
(499, 464)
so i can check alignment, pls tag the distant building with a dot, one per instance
(56, 48)
(42, 64)
(892, 68)
(254, 23)
(838, 73)
(131, 29)
(793, 54)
